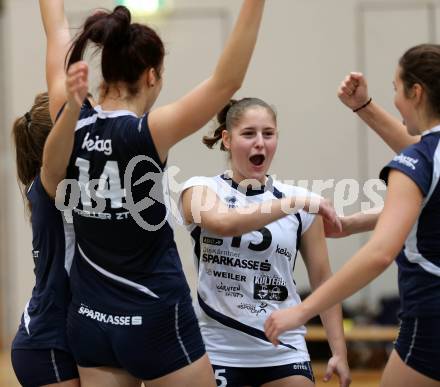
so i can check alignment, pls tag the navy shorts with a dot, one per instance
(163, 339)
(38, 367)
(238, 377)
(418, 345)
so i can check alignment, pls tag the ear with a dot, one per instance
(226, 138)
(417, 93)
(151, 77)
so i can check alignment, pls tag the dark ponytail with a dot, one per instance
(231, 114)
(128, 49)
(29, 134)
(210, 141)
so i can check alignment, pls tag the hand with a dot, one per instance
(338, 365)
(331, 220)
(77, 85)
(353, 91)
(334, 231)
(282, 320)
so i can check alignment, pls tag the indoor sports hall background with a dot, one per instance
(305, 49)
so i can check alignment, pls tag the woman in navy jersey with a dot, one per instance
(410, 218)
(247, 229)
(40, 352)
(131, 316)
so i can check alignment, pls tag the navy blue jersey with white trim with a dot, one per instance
(419, 260)
(126, 251)
(43, 323)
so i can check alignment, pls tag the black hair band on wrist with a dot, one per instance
(364, 105)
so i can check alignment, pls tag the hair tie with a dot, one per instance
(28, 119)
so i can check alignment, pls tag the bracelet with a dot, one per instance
(364, 105)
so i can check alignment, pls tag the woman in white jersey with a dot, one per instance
(246, 242)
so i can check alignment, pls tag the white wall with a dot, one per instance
(305, 49)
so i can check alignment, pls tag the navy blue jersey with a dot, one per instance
(419, 260)
(126, 254)
(43, 323)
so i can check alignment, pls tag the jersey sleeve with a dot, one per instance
(306, 218)
(193, 182)
(415, 163)
(37, 186)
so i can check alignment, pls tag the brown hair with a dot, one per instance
(421, 64)
(231, 114)
(29, 134)
(128, 49)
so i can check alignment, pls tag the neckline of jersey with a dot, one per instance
(249, 190)
(435, 129)
(114, 113)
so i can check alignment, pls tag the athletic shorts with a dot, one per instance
(418, 345)
(38, 367)
(237, 377)
(163, 339)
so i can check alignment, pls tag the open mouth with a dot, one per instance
(257, 160)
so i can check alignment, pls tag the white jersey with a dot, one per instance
(243, 279)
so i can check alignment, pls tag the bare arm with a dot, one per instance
(57, 32)
(353, 92)
(315, 255)
(202, 206)
(171, 123)
(59, 143)
(359, 222)
(403, 203)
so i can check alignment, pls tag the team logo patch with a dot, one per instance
(232, 201)
(271, 288)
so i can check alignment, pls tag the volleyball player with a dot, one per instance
(247, 231)
(410, 219)
(131, 316)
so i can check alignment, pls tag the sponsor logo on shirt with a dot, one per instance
(284, 251)
(254, 309)
(229, 290)
(98, 145)
(270, 288)
(212, 241)
(226, 275)
(406, 160)
(108, 318)
(237, 262)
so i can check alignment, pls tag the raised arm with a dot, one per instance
(353, 93)
(402, 207)
(57, 32)
(59, 143)
(315, 255)
(202, 206)
(171, 123)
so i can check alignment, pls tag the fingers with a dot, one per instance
(271, 330)
(77, 82)
(329, 372)
(345, 381)
(338, 224)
